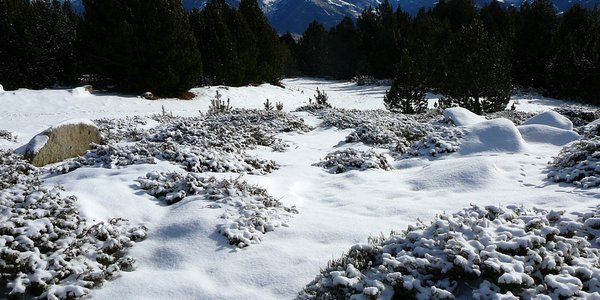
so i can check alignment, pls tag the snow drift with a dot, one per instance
(459, 175)
(462, 117)
(498, 135)
(551, 118)
(547, 134)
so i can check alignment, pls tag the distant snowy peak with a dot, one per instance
(295, 15)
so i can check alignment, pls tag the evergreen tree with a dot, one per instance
(460, 13)
(269, 66)
(36, 43)
(534, 44)
(215, 42)
(497, 21)
(381, 40)
(577, 57)
(427, 40)
(478, 72)
(408, 92)
(290, 54)
(141, 45)
(343, 48)
(313, 56)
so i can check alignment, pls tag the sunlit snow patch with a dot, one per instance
(498, 135)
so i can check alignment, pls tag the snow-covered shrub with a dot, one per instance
(213, 143)
(7, 135)
(352, 159)
(121, 130)
(14, 170)
(481, 253)
(250, 212)
(442, 139)
(191, 158)
(46, 248)
(578, 115)
(371, 134)
(363, 80)
(517, 117)
(578, 162)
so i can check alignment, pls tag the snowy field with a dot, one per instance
(318, 214)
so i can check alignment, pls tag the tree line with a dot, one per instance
(136, 45)
(471, 56)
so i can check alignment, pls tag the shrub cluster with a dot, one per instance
(250, 212)
(353, 159)
(483, 253)
(47, 249)
(578, 163)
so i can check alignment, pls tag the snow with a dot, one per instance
(551, 118)
(536, 133)
(185, 257)
(462, 117)
(1, 88)
(81, 92)
(498, 135)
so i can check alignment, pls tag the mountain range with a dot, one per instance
(295, 15)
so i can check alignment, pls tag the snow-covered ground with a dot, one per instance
(184, 257)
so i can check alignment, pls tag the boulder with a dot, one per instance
(66, 140)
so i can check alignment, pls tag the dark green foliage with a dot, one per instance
(238, 47)
(37, 43)
(313, 50)
(343, 43)
(269, 65)
(576, 67)
(407, 94)
(534, 44)
(478, 73)
(140, 45)
(460, 13)
(290, 55)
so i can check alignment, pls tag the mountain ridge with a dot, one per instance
(295, 15)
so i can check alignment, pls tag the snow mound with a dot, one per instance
(462, 117)
(483, 253)
(498, 135)
(1, 88)
(547, 134)
(80, 92)
(460, 174)
(551, 118)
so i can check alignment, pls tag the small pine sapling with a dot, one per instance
(268, 105)
(218, 106)
(321, 99)
(279, 106)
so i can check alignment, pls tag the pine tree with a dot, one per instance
(478, 72)
(577, 55)
(343, 48)
(269, 67)
(313, 56)
(36, 43)
(534, 44)
(290, 54)
(141, 46)
(460, 13)
(216, 42)
(408, 92)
